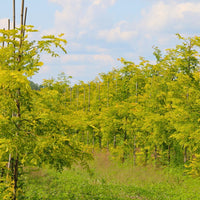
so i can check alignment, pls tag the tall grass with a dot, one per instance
(110, 180)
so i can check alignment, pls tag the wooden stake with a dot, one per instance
(99, 95)
(84, 99)
(13, 14)
(10, 157)
(136, 87)
(25, 15)
(71, 96)
(3, 40)
(22, 13)
(8, 24)
(89, 98)
(108, 93)
(22, 30)
(77, 97)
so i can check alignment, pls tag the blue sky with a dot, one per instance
(100, 31)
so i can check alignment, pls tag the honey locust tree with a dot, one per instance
(31, 133)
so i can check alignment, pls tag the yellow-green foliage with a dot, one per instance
(193, 168)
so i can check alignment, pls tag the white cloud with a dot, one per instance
(4, 23)
(74, 70)
(96, 49)
(104, 3)
(45, 69)
(171, 14)
(95, 59)
(116, 34)
(77, 17)
(89, 27)
(121, 32)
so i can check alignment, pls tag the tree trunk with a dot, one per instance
(115, 142)
(146, 156)
(155, 155)
(99, 141)
(134, 152)
(16, 162)
(93, 140)
(89, 98)
(185, 155)
(169, 154)
(87, 137)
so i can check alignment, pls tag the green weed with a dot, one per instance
(110, 180)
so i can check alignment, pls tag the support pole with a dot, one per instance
(22, 13)
(25, 20)
(8, 24)
(13, 14)
(3, 40)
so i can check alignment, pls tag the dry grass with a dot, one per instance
(118, 173)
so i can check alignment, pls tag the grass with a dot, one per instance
(110, 180)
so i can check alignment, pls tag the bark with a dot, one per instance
(146, 156)
(115, 141)
(100, 142)
(169, 154)
(155, 155)
(185, 155)
(16, 162)
(134, 152)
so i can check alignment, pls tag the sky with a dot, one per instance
(101, 31)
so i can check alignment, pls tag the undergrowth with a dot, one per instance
(110, 180)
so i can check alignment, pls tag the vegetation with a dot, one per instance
(31, 131)
(147, 114)
(111, 180)
(35, 86)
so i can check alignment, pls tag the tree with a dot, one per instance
(31, 133)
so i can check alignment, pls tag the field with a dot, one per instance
(108, 179)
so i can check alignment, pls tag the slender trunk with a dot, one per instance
(77, 98)
(169, 154)
(136, 92)
(22, 16)
(116, 90)
(71, 96)
(24, 23)
(107, 145)
(146, 156)
(155, 155)
(124, 154)
(9, 163)
(8, 24)
(8, 28)
(13, 14)
(3, 40)
(134, 151)
(93, 140)
(14, 29)
(87, 137)
(125, 138)
(99, 98)
(22, 31)
(2, 174)
(16, 162)
(89, 98)
(108, 94)
(84, 100)
(185, 155)
(13, 163)
(115, 142)
(99, 142)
